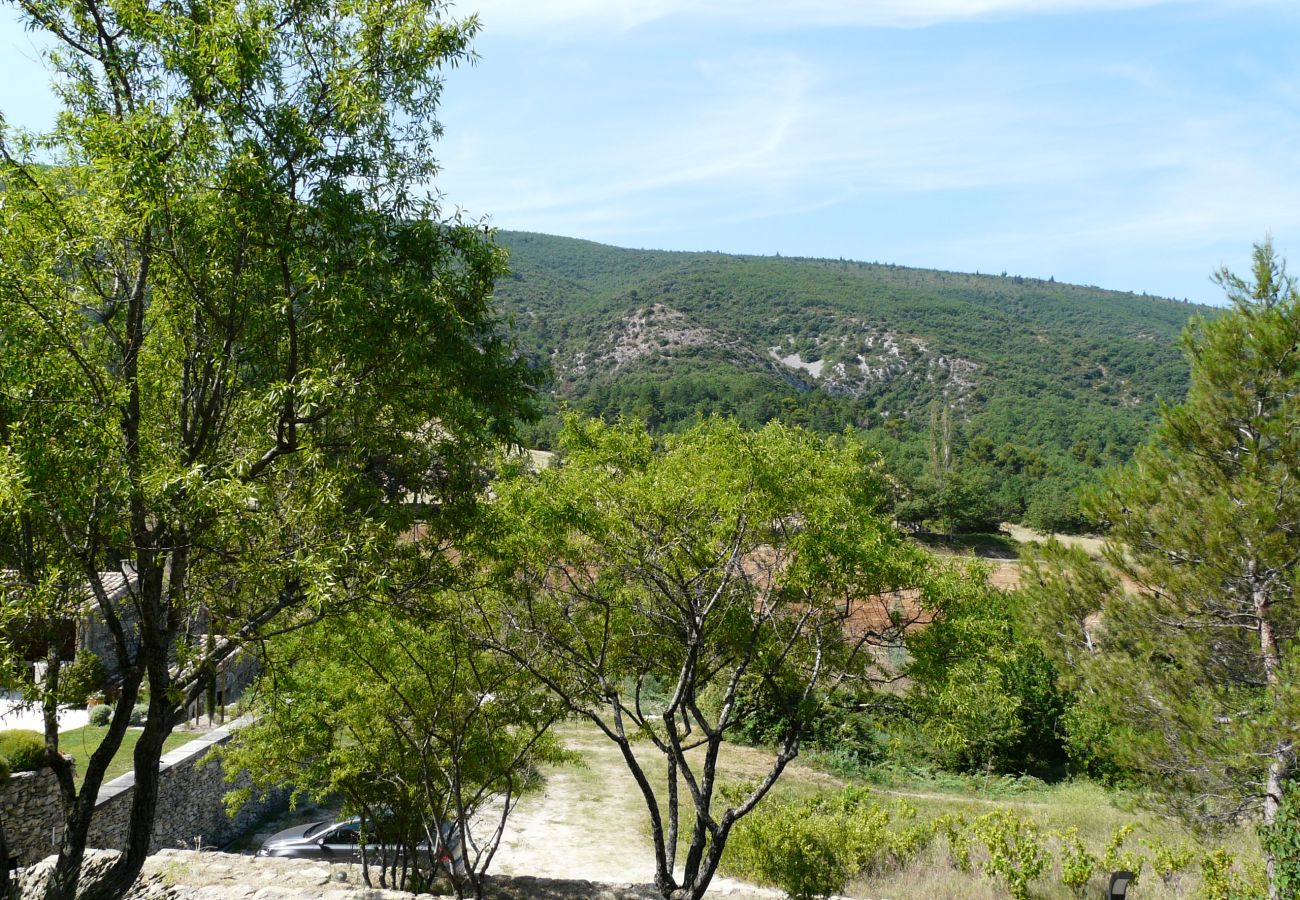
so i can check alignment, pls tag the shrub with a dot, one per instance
(84, 676)
(1015, 852)
(21, 750)
(811, 848)
(1115, 859)
(1282, 840)
(139, 713)
(1218, 880)
(4, 770)
(908, 839)
(101, 715)
(1077, 864)
(953, 828)
(1169, 859)
(1092, 741)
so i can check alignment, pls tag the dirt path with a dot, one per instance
(586, 823)
(589, 823)
(1089, 544)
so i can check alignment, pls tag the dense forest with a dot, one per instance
(994, 396)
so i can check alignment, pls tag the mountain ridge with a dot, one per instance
(1067, 376)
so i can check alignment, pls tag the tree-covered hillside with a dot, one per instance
(995, 396)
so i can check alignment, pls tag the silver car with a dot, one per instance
(341, 842)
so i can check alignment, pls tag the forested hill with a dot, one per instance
(1041, 382)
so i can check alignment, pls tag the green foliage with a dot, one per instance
(139, 714)
(954, 829)
(984, 691)
(1016, 855)
(83, 677)
(243, 348)
(1094, 739)
(1115, 858)
(1204, 524)
(814, 847)
(1167, 860)
(1281, 841)
(748, 570)
(1220, 879)
(4, 769)
(908, 838)
(22, 750)
(100, 715)
(404, 718)
(1064, 379)
(806, 850)
(1077, 864)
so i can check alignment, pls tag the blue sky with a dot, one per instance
(1132, 144)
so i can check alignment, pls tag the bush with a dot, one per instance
(953, 828)
(1092, 742)
(84, 676)
(139, 713)
(21, 750)
(1168, 860)
(1015, 852)
(1220, 881)
(101, 715)
(1114, 859)
(1282, 839)
(812, 848)
(1077, 864)
(4, 770)
(909, 838)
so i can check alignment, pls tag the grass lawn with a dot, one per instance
(82, 742)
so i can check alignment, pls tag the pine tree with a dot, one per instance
(1197, 660)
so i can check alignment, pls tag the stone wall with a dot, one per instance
(191, 807)
(191, 801)
(31, 812)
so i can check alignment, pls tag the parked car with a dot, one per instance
(341, 842)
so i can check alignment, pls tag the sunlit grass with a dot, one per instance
(82, 742)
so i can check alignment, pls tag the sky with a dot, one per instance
(1132, 144)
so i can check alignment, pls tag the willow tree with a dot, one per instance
(1195, 663)
(661, 592)
(240, 348)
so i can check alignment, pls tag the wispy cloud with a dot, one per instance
(1115, 151)
(587, 15)
(780, 132)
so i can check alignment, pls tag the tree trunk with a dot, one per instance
(144, 796)
(1279, 764)
(1278, 770)
(79, 808)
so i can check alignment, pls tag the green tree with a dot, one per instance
(649, 587)
(1198, 658)
(985, 693)
(411, 724)
(241, 350)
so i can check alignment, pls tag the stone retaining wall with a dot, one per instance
(31, 812)
(191, 807)
(191, 801)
